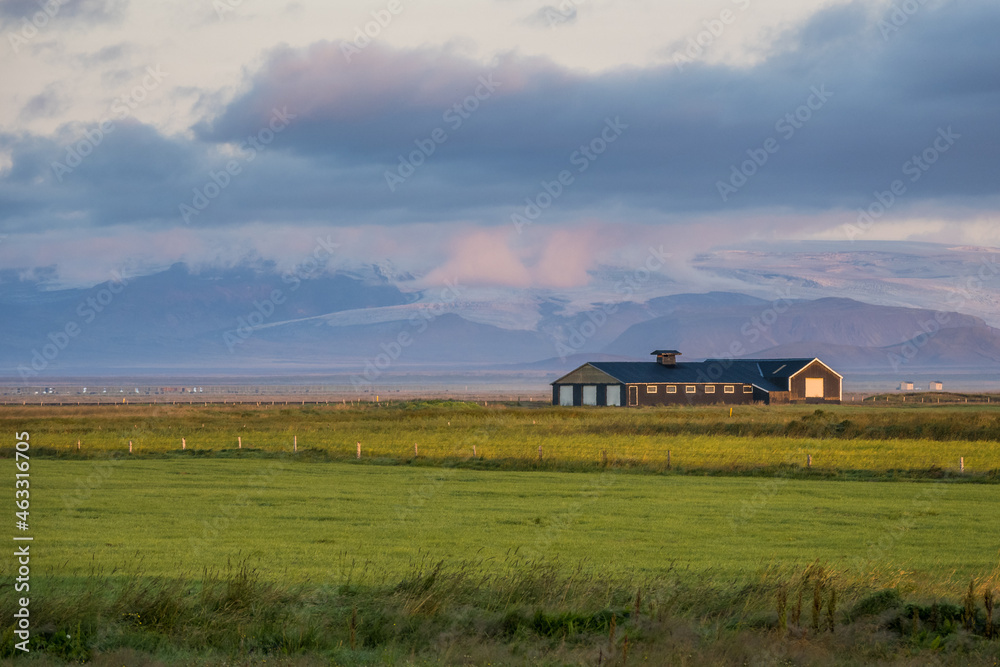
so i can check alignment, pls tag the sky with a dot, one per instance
(505, 143)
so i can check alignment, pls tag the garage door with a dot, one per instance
(615, 394)
(814, 387)
(566, 394)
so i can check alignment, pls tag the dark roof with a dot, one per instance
(781, 368)
(768, 374)
(664, 352)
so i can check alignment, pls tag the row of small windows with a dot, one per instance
(692, 389)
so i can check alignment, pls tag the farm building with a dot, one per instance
(906, 385)
(669, 382)
(936, 386)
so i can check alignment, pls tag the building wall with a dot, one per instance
(831, 385)
(776, 397)
(700, 396)
(680, 397)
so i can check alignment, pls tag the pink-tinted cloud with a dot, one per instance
(497, 257)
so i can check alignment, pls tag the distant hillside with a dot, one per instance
(847, 332)
(251, 319)
(968, 347)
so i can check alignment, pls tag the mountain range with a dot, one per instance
(252, 319)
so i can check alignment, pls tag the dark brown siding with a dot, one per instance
(776, 397)
(831, 384)
(699, 397)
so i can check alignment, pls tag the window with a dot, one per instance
(748, 389)
(730, 389)
(814, 387)
(709, 388)
(566, 394)
(650, 388)
(690, 389)
(614, 395)
(590, 394)
(671, 389)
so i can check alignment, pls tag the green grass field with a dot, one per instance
(309, 521)
(217, 556)
(838, 438)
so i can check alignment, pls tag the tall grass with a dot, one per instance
(474, 612)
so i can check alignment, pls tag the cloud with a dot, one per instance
(507, 128)
(13, 12)
(688, 126)
(551, 16)
(559, 258)
(46, 104)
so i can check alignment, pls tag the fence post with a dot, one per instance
(295, 443)
(809, 461)
(359, 449)
(961, 464)
(129, 446)
(239, 440)
(668, 459)
(184, 443)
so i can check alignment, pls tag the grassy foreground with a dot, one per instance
(192, 561)
(445, 554)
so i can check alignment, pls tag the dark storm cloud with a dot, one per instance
(881, 87)
(93, 176)
(892, 84)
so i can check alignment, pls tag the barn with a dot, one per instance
(667, 381)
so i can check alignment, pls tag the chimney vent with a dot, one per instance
(666, 357)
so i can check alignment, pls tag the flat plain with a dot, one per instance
(563, 537)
